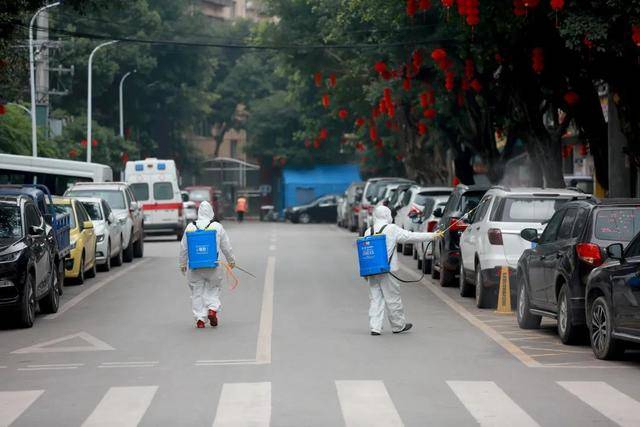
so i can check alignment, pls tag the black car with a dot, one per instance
(322, 209)
(446, 251)
(551, 277)
(613, 300)
(28, 272)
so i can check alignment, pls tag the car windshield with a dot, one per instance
(140, 190)
(470, 200)
(619, 224)
(200, 195)
(527, 209)
(66, 209)
(93, 209)
(421, 199)
(115, 198)
(10, 222)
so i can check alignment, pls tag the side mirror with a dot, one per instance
(111, 218)
(87, 225)
(530, 235)
(133, 207)
(438, 212)
(616, 251)
(36, 231)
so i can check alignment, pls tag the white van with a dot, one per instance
(155, 186)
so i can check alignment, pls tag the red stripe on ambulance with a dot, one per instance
(161, 206)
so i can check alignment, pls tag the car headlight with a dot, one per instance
(100, 237)
(73, 244)
(10, 257)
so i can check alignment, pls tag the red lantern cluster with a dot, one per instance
(635, 34)
(571, 98)
(470, 10)
(537, 60)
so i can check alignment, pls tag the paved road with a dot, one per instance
(293, 349)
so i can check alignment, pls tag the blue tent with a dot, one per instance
(300, 186)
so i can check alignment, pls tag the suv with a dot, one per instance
(493, 241)
(371, 190)
(552, 276)
(446, 251)
(124, 206)
(30, 271)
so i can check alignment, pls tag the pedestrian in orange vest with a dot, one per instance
(241, 207)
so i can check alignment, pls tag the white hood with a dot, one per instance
(205, 214)
(381, 216)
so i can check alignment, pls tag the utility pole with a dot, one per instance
(121, 103)
(89, 87)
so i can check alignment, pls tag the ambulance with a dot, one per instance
(155, 185)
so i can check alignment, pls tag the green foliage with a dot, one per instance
(15, 134)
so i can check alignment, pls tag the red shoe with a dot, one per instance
(213, 317)
(199, 324)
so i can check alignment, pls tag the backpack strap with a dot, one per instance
(208, 225)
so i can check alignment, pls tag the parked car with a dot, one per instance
(125, 208)
(613, 300)
(552, 276)
(30, 274)
(493, 240)
(428, 222)
(322, 209)
(108, 232)
(446, 251)
(371, 188)
(397, 197)
(81, 262)
(342, 210)
(189, 208)
(354, 198)
(200, 193)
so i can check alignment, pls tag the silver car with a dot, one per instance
(109, 246)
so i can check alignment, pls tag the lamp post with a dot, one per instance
(89, 85)
(22, 107)
(121, 103)
(32, 80)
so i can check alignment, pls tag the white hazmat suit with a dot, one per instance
(384, 290)
(205, 283)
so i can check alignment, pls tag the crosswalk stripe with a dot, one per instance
(244, 404)
(489, 404)
(14, 403)
(613, 404)
(121, 406)
(367, 404)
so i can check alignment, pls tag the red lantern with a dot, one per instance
(424, 5)
(322, 135)
(316, 143)
(387, 93)
(412, 5)
(83, 143)
(124, 158)
(360, 147)
(73, 153)
(380, 67)
(449, 81)
(476, 85)
(422, 129)
(399, 157)
(439, 54)
(635, 34)
(317, 78)
(447, 3)
(325, 101)
(360, 122)
(557, 5)
(332, 80)
(373, 133)
(94, 143)
(416, 59)
(587, 41)
(537, 60)
(379, 144)
(406, 85)
(391, 110)
(424, 99)
(429, 113)
(518, 8)
(566, 151)
(571, 98)
(343, 113)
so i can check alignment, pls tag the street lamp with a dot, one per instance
(32, 82)
(89, 85)
(25, 109)
(121, 103)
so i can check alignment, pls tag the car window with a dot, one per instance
(452, 203)
(567, 224)
(550, 233)
(140, 190)
(10, 222)
(130, 197)
(470, 200)
(527, 209)
(494, 209)
(407, 197)
(115, 198)
(93, 210)
(66, 209)
(633, 250)
(581, 221)
(162, 191)
(619, 224)
(106, 209)
(33, 217)
(481, 212)
(82, 215)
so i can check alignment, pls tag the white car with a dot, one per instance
(371, 189)
(109, 248)
(427, 224)
(342, 210)
(125, 208)
(189, 208)
(492, 240)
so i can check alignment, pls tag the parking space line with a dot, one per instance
(557, 350)
(87, 292)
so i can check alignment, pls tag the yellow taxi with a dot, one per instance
(81, 262)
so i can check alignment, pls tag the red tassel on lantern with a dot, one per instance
(469, 69)
(317, 78)
(343, 113)
(325, 101)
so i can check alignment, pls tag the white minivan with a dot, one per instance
(155, 185)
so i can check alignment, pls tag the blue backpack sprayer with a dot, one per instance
(372, 254)
(202, 248)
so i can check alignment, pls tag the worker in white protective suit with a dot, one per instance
(206, 284)
(384, 290)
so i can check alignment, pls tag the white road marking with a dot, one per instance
(488, 330)
(122, 406)
(84, 294)
(613, 404)
(489, 405)
(263, 347)
(14, 403)
(244, 404)
(52, 367)
(140, 364)
(46, 347)
(367, 404)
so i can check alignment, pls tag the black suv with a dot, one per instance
(446, 251)
(28, 272)
(613, 300)
(552, 276)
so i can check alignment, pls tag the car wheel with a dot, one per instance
(526, 320)
(435, 274)
(91, 273)
(27, 313)
(117, 260)
(138, 246)
(603, 344)
(481, 292)
(407, 249)
(304, 218)
(427, 266)
(80, 278)
(107, 264)
(567, 330)
(415, 253)
(51, 302)
(466, 290)
(419, 265)
(128, 251)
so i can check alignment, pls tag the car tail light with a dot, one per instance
(495, 236)
(431, 225)
(589, 253)
(456, 224)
